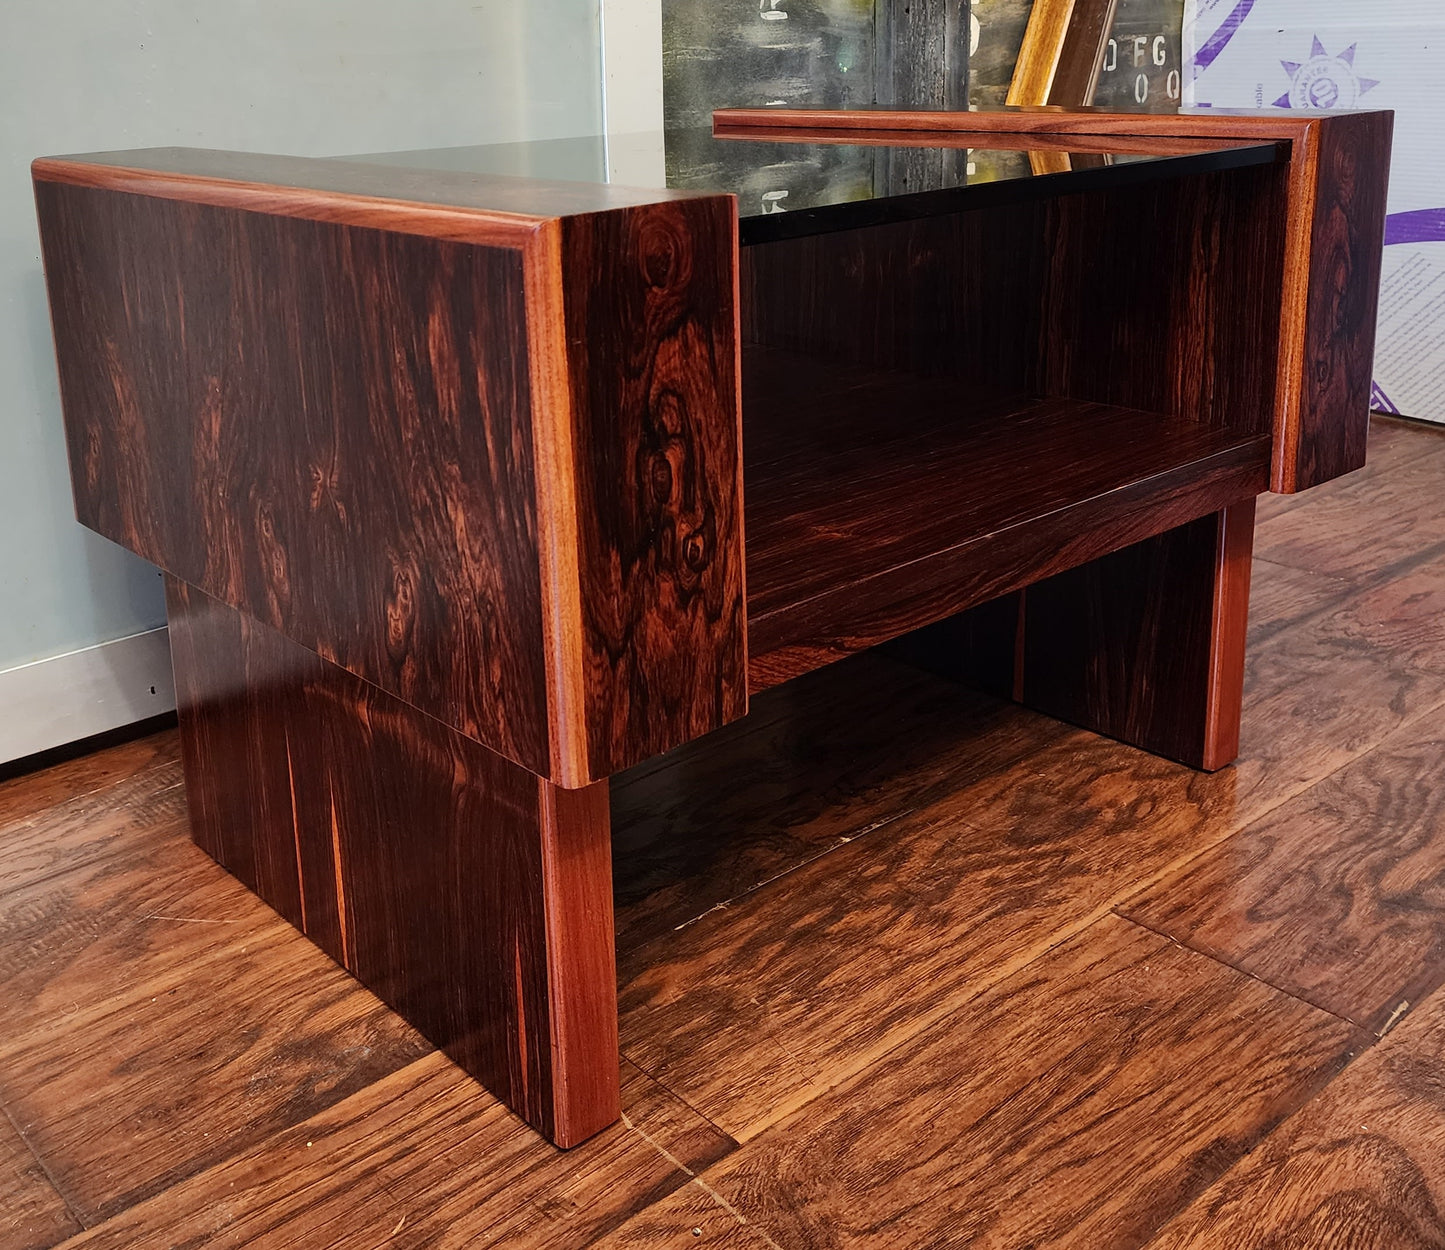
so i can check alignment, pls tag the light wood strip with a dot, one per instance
(556, 506)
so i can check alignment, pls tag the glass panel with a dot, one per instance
(776, 176)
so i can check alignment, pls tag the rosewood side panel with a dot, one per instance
(652, 357)
(1337, 299)
(487, 461)
(328, 427)
(469, 894)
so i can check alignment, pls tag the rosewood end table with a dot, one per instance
(473, 490)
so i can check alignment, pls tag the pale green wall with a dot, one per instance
(309, 77)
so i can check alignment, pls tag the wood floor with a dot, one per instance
(899, 966)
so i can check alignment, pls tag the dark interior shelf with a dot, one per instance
(865, 490)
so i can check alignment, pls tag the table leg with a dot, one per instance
(471, 895)
(1145, 645)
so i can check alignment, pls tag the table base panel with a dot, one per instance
(1145, 645)
(472, 896)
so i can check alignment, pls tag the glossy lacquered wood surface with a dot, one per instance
(1012, 297)
(1147, 316)
(1330, 229)
(471, 895)
(858, 531)
(652, 362)
(1348, 163)
(1146, 644)
(378, 414)
(326, 426)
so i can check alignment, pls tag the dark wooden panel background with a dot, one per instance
(326, 426)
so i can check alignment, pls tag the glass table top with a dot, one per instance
(788, 187)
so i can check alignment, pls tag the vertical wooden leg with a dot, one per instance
(1147, 645)
(472, 896)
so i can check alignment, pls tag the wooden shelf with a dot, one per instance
(873, 496)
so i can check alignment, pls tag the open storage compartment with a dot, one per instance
(996, 383)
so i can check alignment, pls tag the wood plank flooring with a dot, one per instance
(899, 964)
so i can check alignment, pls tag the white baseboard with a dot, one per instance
(68, 697)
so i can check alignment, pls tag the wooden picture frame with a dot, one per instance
(1062, 52)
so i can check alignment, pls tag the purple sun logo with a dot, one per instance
(1324, 81)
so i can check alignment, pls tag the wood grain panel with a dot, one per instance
(1147, 645)
(1362, 1166)
(652, 350)
(33, 1216)
(1335, 897)
(1079, 296)
(837, 622)
(1350, 175)
(471, 895)
(1115, 143)
(1019, 120)
(426, 1159)
(1167, 297)
(973, 493)
(326, 426)
(854, 498)
(1084, 1101)
(486, 460)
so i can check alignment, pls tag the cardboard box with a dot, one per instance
(1338, 54)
